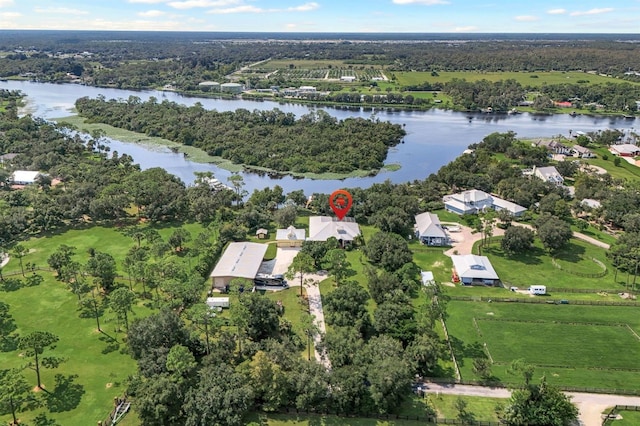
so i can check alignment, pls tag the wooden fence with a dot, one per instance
(612, 415)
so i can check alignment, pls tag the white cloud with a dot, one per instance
(466, 29)
(246, 8)
(151, 13)
(60, 11)
(526, 18)
(10, 15)
(556, 11)
(148, 1)
(596, 11)
(4, 3)
(425, 2)
(304, 7)
(239, 9)
(291, 26)
(190, 4)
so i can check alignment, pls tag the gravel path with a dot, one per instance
(315, 309)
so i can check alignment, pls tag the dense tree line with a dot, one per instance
(316, 142)
(208, 51)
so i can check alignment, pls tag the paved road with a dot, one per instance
(591, 240)
(591, 405)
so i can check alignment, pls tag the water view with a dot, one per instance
(433, 139)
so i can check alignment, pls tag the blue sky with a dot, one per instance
(497, 16)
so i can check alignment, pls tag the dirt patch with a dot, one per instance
(108, 385)
(39, 389)
(490, 313)
(448, 284)
(438, 263)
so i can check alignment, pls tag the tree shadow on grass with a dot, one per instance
(532, 256)
(571, 253)
(462, 350)
(66, 394)
(112, 343)
(43, 420)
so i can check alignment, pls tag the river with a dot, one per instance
(434, 138)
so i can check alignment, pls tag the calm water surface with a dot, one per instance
(434, 138)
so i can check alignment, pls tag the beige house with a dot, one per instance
(290, 237)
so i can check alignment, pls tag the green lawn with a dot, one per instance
(540, 343)
(481, 409)
(535, 267)
(100, 367)
(581, 346)
(106, 239)
(623, 171)
(629, 418)
(96, 359)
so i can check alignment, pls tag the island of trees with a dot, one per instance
(313, 143)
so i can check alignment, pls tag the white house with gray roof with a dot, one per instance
(321, 228)
(239, 260)
(429, 230)
(548, 174)
(474, 270)
(475, 201)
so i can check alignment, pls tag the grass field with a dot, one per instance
(623, 171)
(540, 343)
(93, 361)
(106, 239)
(534, 79)
(580, 346)
(535, 267)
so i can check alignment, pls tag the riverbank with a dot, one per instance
(199, 156)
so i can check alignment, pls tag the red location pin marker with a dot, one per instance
(340, 202)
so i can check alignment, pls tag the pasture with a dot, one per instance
(533, 79)
(574, 346)
(536, 267)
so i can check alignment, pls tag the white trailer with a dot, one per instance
(538, 289)
(218, 302)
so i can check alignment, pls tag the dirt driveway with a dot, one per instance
(462, 242)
